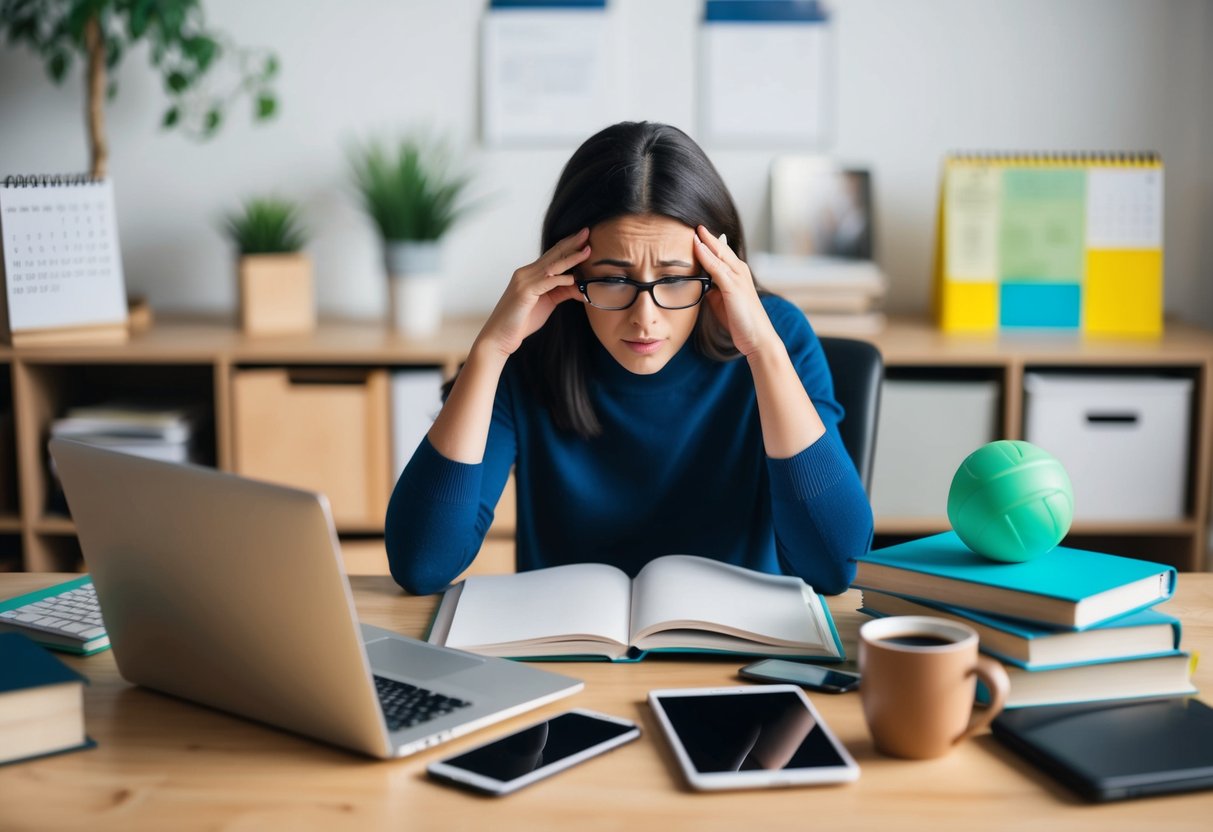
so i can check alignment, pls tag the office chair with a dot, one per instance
(858, 370)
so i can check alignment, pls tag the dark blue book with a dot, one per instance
(41, 702)
(1065, 588)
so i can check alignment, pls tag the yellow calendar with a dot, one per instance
(1051, 242)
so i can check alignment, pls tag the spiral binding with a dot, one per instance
(50, 180)
(1113, 158)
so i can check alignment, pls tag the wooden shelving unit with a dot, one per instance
(197, 360)
(916, 349)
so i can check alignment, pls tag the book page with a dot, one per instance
(681, 591)
(576, 602)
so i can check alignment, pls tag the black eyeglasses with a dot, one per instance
(615, 293)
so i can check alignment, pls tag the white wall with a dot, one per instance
(914, 81)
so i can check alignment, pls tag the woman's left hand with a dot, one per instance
(735, 298)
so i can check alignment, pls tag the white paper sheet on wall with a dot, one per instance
(765, 74)
(548, 75)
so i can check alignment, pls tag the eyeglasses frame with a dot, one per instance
(702, 279)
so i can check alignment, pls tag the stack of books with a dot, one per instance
(1069, 626)
(841, 296)
(153, 431)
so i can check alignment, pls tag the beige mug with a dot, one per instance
(919, 678)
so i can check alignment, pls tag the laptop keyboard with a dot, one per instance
(406, 705)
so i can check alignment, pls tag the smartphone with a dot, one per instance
(750, 737)
(812, 676)
(507, 764)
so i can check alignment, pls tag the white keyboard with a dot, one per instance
(69, 619)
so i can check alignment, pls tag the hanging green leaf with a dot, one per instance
(57, 66)
(266, 105)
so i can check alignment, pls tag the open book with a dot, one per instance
(676, 603)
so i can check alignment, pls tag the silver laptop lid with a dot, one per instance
(224, 591)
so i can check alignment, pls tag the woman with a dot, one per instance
(652, 401)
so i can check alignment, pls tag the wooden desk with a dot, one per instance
(166, 764)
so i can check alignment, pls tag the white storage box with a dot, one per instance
(1120, 438)
(926, 429)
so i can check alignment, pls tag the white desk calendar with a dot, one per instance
(62, 266)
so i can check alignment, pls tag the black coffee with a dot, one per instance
(918, 641)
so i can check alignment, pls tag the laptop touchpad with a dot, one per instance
(417, 661)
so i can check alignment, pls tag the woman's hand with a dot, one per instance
(735, 299)
(532, 294)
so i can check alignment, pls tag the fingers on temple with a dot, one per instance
(718, 246)
(709, 256)
(570, 245)
(567, 261)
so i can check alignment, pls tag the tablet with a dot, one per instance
(1116, 750)
(750, 737)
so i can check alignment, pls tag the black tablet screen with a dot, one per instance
(771, 731)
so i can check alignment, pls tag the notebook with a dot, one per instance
(230, 592)
(1065, 588)
(1069, 242)
(1114, 751)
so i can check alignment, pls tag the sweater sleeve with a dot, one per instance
(440, 509)
(822, 517)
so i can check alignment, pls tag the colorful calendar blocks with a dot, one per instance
(970, 307)
(1051, 241)
(1124, 292)
(1039, 305)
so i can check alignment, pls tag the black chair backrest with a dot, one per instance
(858, 370)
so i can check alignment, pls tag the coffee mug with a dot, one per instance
(919, 677)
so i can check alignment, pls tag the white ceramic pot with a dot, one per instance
(414, 271)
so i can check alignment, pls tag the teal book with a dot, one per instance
(1064, 588)
(676, 603)
(1138, 635)
(21, 614)
(41, 703)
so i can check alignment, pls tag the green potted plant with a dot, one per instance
(275, 276)
(414, 195)
(182, 49)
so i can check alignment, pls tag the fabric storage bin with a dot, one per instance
(1122, 440)
(322, 430)
(925, 430)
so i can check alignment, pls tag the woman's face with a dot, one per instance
(644, 248)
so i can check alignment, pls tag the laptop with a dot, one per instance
(1118, 749)
(231, 593)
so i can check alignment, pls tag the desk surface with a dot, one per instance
(166, 764)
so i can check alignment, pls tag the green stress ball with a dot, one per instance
(1011, 501)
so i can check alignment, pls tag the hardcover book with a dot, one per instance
(41, 702)
(1131, 679)
(1032, 647)
(1067, 588)
(677, 603)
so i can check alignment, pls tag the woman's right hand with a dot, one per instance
(533, 293)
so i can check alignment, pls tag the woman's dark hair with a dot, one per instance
(630, 168)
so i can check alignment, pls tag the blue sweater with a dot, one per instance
(680, 467)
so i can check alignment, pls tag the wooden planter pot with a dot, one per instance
(276, 294)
